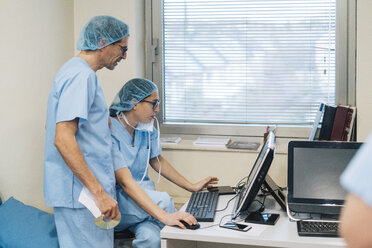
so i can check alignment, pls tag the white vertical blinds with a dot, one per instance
(258, 62)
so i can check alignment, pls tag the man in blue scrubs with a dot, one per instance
(78, 141)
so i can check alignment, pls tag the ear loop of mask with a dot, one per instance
(157, 157)
(122, 116)
(148, 154)
(148, 159)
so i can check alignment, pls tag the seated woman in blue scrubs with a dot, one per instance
(144, 210)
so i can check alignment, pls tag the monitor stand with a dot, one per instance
(275, 191)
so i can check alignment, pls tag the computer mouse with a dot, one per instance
(192, 227)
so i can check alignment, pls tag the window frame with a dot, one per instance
(345, 74)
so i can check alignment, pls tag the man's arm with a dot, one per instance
(174, 176)
(69, 149)
(130, 186)
(356, 222)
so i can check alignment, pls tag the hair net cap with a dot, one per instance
(101, 31)
(134, 91)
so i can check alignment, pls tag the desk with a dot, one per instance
(282, 234)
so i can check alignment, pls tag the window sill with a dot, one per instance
(187, 141)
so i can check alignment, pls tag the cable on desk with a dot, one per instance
(270, 191)
(227, 204)
(240, 184)
(209, 226)
(219, 224)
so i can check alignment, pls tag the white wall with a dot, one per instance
(364, 68)
(35, 42)
(38, 36)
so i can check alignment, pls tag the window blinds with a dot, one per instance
(254, 62)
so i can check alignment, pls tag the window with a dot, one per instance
(222, 65)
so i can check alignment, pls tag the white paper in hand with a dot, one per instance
(86, 198)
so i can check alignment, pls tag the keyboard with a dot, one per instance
(202, 205)
(319, 229)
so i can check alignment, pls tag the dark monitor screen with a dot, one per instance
(256, 176)
(314, 170)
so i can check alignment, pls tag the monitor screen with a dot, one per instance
(256, 176)
(314, 170)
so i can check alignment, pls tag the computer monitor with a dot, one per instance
(314, 169)
(256, 176)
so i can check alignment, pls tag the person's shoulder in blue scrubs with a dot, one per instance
(136, 142)
(356, 216)
(78, 140)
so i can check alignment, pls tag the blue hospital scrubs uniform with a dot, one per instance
(76, 93)
(356, 179)
(144, 226)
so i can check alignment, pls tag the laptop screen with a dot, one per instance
(314, 170)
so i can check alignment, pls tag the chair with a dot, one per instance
(123, 238)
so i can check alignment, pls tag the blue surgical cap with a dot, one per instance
(101, 31)
(134, 91)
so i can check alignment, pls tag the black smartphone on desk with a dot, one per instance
(262, 218)
(222, 190)
(236, 226)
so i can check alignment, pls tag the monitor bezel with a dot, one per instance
(290, 174)
(250, 191)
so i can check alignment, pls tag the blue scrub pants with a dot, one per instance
(76, 229)
(145, 227)
(147, 235)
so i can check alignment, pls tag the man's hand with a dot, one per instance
(107, 205)
(205, 183)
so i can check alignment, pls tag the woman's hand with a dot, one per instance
(175, 218)
(205, 183)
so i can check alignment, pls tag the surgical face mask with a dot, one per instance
(140, 126)
(146, 126)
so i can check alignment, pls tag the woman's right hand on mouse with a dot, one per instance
(174, 219)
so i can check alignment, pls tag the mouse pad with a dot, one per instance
(223, 190)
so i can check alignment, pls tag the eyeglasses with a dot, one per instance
(154, 103)
(124, 49)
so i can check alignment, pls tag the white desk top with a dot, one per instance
(282, 234)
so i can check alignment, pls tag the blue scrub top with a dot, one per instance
(357, 176)
(76, 93)
(134, 157)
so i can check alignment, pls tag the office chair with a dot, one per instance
(123, 238)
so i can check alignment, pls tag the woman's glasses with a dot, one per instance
(154, 103)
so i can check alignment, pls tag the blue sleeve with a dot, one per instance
(76, 98)
(356, 177)
(155, 144)
(117, 156)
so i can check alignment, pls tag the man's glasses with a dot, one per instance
(124, 49)
(154, 103)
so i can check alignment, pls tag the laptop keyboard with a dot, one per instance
(319, 229)
(202, 205)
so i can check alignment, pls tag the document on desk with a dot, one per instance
(212, 142)
(170, 140)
